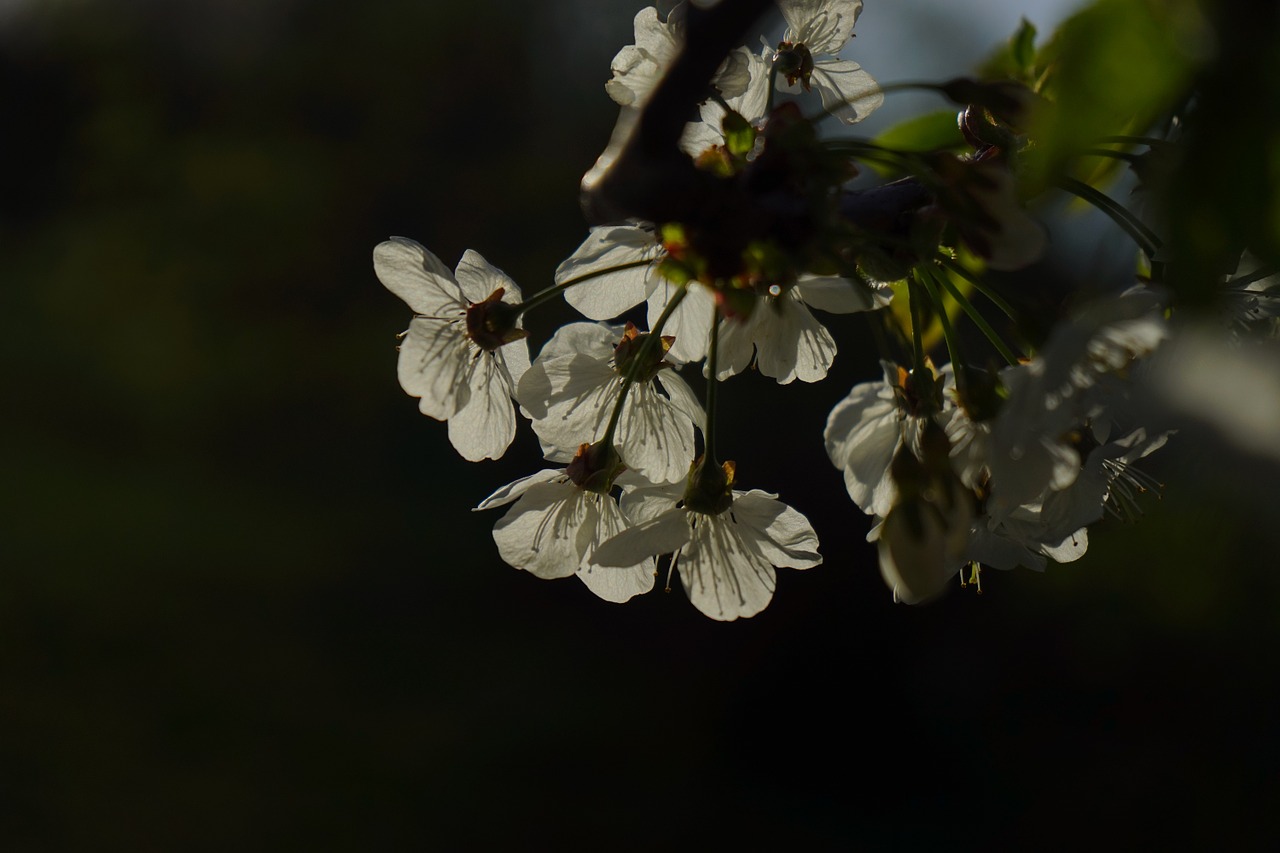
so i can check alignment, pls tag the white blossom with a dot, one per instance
(1064, 386)
(573, 385)
(817, 30)
(464, 350)
(725, 560)
(865, 431)
(554, 527)
(638, 68)
(784, 339)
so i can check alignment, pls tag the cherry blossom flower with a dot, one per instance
(639, 67)
(806, 59)
(464, 350)
(554, 527)
(922, 538)
(867, 428)
(725, 554)
(1066, 385)
(572, 387)
(782, 336)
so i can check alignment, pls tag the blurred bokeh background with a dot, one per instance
(244, 602)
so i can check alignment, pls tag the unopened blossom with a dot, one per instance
(572, 388)
(554, 527)
(725, 553)
(464, 350)
(807, 58)
(923, 537)
(781, 335)
(638, 68)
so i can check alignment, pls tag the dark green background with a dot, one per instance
(244, 604)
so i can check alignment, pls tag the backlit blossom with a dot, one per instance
(554, 527)
(638, 68)
(725, 559)
(464, 350)
(817, 30)
(783, 338)
(571, 389)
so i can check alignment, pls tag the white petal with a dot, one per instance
(479, 279)
(512, 491)
(645, 503)
(862, 434)
(999, 551)
(790, 343)
(841, 295)
(823, 26)
(513, 359)
(682, 398)
(540, 533)
(690, 323)
(737, 347)
(616, 584)
(610, 293)
(434, 363)
(783, 535)
(914, 556)
(486, 425)
(418, 277)
(753, 100)
(660, 38)
(653, 437)
(848, 92)
(1071, 548)
(1021, 475)
(724, 576)
(661, 535)
(579, 398)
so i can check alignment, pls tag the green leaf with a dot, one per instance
(1022, 48)
(928, 132)
(1113, 69)
(1015, 59)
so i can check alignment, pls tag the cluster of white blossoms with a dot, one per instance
(958, 467)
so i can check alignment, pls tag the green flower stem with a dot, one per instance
(544, 296)
(907, 85)
(641, 358)
(978, 285)
(1127, 156)
(709, 451)
(917, 325)
(1149, 141)
(1120, 215)
(929, 278)
(978, 320)
(910, 160)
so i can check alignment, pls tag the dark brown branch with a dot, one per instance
(643, 173)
